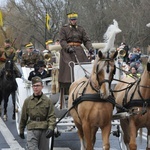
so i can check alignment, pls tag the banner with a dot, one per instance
(1, 19)
(47, 21)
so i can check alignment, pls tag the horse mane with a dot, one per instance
(109, 36)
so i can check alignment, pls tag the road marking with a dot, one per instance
(11, 141)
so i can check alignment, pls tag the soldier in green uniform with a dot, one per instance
(8, 50)
(39, 117)
(30, 57)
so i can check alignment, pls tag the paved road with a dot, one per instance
(9, 139)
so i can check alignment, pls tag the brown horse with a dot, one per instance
(135, 96)
(89, 97)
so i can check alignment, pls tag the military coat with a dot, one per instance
(29, 59)
(8, 51)
(69, 34)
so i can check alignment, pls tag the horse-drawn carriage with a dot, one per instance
(91, 102)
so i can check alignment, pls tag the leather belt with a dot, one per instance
(74, 44)
(38, 119)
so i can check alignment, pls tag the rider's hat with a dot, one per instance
(7, 41)
(72, 15)
(29, 45)
(36, 79)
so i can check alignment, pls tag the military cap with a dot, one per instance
(36, 79)
(30, 45)
(7, 41)
(49, 42)
(72, 15)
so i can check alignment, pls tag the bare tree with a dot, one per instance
(26, 20)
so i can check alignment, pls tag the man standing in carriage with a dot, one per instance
(7, 51)
(71, 38)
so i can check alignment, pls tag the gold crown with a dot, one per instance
(30, 45)
(72, 15)
(49, 42)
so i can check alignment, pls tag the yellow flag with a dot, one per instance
(47, 21)
(1, 19)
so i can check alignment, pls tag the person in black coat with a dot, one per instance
(39, 70)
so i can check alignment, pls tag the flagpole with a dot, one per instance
(45, 29)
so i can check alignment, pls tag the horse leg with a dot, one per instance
(133, 133)
(125, 128)
(105, 136)
(148, 139)
(0, 103)
(87, 131)
(6, 98)
(81, 136)
(13, 94)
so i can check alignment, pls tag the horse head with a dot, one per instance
(104, 66)
(9, 65)
(103, 72)
(145, 81)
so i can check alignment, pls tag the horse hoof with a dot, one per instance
(13, 117)
(5, 117)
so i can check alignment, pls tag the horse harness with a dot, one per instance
(144, 103)
(96, 97)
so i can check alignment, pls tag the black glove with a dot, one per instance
(49, 133)
(57, 133)
(70, 50)
(91, 51)
(22, 135)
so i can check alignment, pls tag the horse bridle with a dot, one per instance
(97, 72)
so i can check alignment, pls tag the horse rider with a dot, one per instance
(71, 37)
(39, 117)
(30, 57)
(8, 50)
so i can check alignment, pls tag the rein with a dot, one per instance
(134, 102)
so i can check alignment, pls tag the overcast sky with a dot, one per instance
(3, 2)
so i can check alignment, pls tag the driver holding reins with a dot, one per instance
(72, 36)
